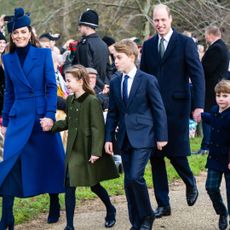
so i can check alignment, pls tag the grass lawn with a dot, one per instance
(29, 208)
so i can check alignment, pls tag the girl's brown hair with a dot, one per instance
(33, 41)
(79, 72)
(223, 86)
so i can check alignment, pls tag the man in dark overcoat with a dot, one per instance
(173, 59)
(215, 63)
(91, 50)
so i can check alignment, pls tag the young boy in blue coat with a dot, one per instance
(218, 158)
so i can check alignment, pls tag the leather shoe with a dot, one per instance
(191, 195)
(162, 211)
(68, 228)
(223, 222)
(110, 218)
(147, 222)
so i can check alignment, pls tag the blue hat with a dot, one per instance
(19, 20)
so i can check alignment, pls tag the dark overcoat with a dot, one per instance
(219, 147)
(93, 52)
(179, 63)
(215, 63)
(31, 94)
(85, 124)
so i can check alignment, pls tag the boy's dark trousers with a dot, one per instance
(213, 188)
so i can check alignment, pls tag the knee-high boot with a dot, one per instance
(54, 209)
(7, 220)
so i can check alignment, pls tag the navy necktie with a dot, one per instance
(125, 90)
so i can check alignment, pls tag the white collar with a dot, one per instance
(132, 73)
(167, 36)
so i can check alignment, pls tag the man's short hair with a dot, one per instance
(214, 30)
(163, 6)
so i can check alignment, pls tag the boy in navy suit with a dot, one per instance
(218, 158)
(136, 107)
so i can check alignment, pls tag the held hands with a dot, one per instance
(161, 144)
(93, 158)
(197, 114)
(46, 124)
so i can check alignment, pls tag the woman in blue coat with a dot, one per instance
(33, 160)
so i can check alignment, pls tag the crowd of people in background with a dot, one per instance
(129, 98)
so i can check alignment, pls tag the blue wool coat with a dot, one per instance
(30, 94)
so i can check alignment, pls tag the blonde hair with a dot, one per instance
(223, 86)
(79, 72)
(127, 47)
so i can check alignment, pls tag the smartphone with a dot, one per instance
(8, 18)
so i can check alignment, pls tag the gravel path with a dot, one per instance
(91, 214)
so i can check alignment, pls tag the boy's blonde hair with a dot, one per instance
(223, 86)
(127, 47)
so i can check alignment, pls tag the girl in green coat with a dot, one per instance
(85, 163)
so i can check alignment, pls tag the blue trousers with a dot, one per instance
(213, 183)
(134, 163)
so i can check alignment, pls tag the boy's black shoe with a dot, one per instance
(223, 222)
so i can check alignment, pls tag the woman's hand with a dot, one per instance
(3, 130)
(46, 123)
(93, 158)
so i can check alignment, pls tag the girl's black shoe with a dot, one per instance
(110, 218)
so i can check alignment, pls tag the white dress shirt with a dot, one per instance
(166, 39)
(131, 75)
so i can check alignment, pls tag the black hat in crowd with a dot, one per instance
(89, 18)
(49, 36)
(108, 40)
(2, 37)
(19, 20)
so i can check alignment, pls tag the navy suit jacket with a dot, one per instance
(179, 63)
(144, 117)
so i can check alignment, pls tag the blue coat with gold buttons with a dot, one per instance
(30, 94)
(218, 157)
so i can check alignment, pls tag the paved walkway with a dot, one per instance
(91, 214)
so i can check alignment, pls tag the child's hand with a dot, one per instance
(229, 166)
(161, 144)
(93, 158)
